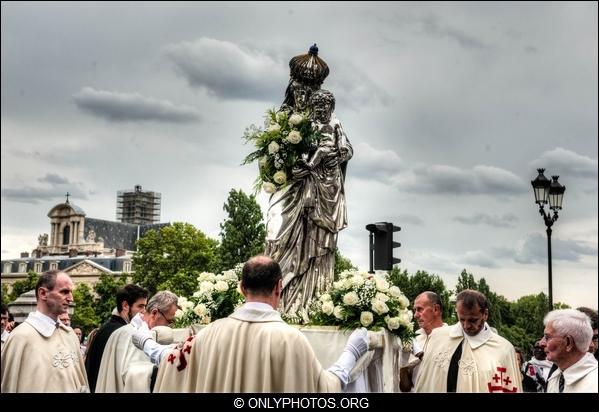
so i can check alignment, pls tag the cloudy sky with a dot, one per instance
(450, 108)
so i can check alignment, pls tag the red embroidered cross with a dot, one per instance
(182, 362)
(498, 379)
(507, 380)
(171, 358)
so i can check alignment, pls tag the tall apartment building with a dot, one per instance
(137, 206)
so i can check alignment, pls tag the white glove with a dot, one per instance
(141, 336)
(357, 345)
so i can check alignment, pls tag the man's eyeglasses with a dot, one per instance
(595, 337)
(547, 338)
(170, 321)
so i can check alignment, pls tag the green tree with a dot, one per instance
(465, 281)
(84, 315)
(106, 289)
(172, 258)
(243, 232)
(22, 286)
(342, 263)
(5, 294)
(422, 281)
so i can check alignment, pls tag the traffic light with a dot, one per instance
(382, 244)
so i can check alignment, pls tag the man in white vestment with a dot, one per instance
(125, 368)
(469, 356)
(428, 311)
(566, 341)
(42, 354)
(253, 350)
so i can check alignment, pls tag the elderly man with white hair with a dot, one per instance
(566, 338)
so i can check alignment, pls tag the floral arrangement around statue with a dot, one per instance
(287, 138)
(217, 297)
(361, 299)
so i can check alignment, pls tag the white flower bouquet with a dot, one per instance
(217, 297)
(285, 140)
(360, 299)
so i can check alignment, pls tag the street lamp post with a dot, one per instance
(548, 191)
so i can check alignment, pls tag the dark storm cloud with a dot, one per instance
(506, 220)
(534, 249)
(565, 162)
(480, 180)
(35, 195)
(124, 107)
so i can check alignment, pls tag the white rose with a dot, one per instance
(200, 309)
(366, 318)
(382, 297)
(325, 297)
(394, 291)
(195, 295)
(205, 320)
(403, 301)
(206, 287)
(338, 312)
(350, 298)
(229, 275)
(280, 177)
(405, 317)
(382, 284)
(274, 128)
(273, 147)
(262, 162)
(294, 137)
(357, 280)
(392, 323)
(328, 307)
(181, 300)
(379, 307)
(269, 187)
(179, 313)
(221, 286)
(296, 119)
(206, 276)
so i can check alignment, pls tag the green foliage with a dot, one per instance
(172, 258)
(84, 316)
(422, 281)
(342, 263)
(518, 337)
(22, 286)
(243, 233)
(106, 289)
(5, 296)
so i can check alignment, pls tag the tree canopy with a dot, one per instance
(172, 258)
(243, 232)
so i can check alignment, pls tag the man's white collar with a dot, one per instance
(580, 369)
(484, 335)
(256, 312)
(44, 324)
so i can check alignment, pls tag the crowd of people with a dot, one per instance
(254, 350)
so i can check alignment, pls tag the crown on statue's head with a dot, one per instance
(308, 68)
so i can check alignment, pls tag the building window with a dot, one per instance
(22, 267)
(127, 266)
(53, 265)
(37, 267)
(7, 267)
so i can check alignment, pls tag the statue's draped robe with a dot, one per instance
(304, 219)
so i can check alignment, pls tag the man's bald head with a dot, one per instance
(260, 275)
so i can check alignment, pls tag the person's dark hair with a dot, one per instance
(522, 358)
(260, 275)
(130, 294)
(434, 299)
(47, 280)
(4, 309)
(591, 313)
(470, 298)
(11, 317)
